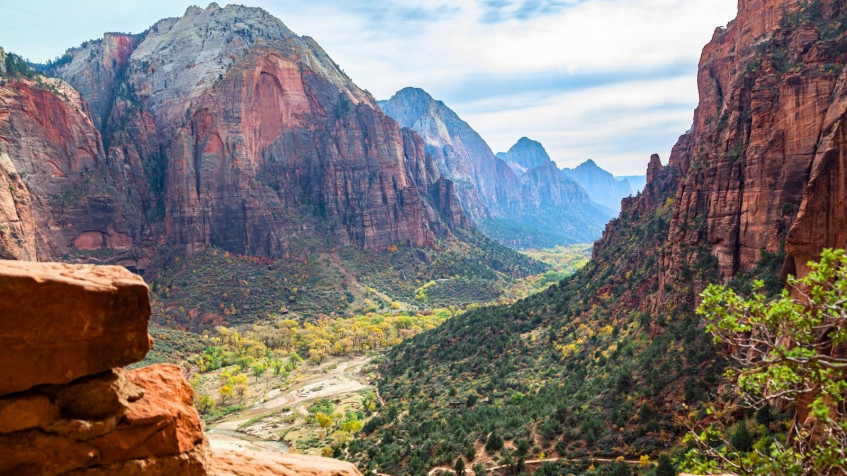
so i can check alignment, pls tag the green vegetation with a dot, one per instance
(217, 287)
(16, 66)
(314, 340)
(578, 371)
(564, 261)
(466, 269)
(172, 346)
(787, 355)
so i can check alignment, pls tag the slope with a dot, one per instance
(613, 361)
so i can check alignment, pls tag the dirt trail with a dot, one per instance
(341, 380)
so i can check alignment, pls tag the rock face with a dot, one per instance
(57, 195)
(67, 405)
(526, 154)
(221, 128)
(763, 165)
(487, 186)
(505, 199)
(106, 309)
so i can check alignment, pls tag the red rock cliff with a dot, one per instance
(56, 193)
(763, 165)
(246, 137)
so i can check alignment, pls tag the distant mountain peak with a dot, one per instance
(528, 154)
(589, 164)
(412, 91)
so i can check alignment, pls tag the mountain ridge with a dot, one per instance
(519, 207)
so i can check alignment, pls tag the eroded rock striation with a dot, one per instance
(762, 168)
(68, 405)
(219, 128)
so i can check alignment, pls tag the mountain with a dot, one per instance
(485, 185)
(222, 130)
(601, 185)
(533, 206)
(613, 361)
(636, 182)
(526, 154)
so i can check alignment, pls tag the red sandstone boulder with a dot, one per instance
(162, 423)
(61, 322)
(25, 411)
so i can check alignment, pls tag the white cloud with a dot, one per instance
(446, 47)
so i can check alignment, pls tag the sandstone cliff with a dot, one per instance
(57, 195)
(761, 168)
(243, 136)
(68, 405)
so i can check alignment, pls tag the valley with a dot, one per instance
(257, 385)
(221, 255)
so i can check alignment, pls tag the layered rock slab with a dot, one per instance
(61, 322)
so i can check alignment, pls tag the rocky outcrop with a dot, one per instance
(105, 309)
(68, 405)
(228, 463)
(762, 167)
(526, 154)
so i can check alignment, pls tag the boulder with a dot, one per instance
(61, 322)
(25, 411)
(162, 423)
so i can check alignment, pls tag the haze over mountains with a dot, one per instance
(520, 197)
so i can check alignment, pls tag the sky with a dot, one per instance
(608, 80)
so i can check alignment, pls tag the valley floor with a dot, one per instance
(260, 426)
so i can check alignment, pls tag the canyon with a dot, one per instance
(249, 140)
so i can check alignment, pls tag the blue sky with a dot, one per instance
(610, 80)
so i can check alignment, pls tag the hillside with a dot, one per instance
(613, 361)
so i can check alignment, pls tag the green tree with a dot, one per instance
(494, 442)
(665, 467)
(740, 439)
(620, 469)
(787, 356)
(459, 466)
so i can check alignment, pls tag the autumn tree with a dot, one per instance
(790, 353)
